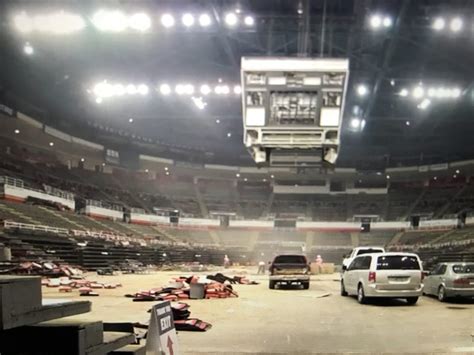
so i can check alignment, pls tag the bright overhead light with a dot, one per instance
(218, 121)
(204, 20)
(387, 21)
(167, 173)
(439, 24)
(131, 89)
(166, 168)
(237, 175)
(17, 131)
(111, 21)
(167, 20)
(83, 160)
(424, 104)
(199, 102)
(237, 90)
(143, 89)
(51, 144)
(375, 21)
(392, 82)
(59, 22)
(272, 176)
(264, 180)
(180, 89)
(189, 89)
(98, 100)
(456, 92)
(362, 124)
(362, 90)
(229, 134)
(103, 90)
(388, 177)
(119, 89)
(28, 49)
(355, 123)
(130, 120)
(245, 179)
(225, 89)
(455, 24)
(231, 19)
(165, 89)
(249, 21)
(407, 123)
(457, 171)
(403, 92)
(188, 20)
(205, 89)
(140, 22)
(418, 92)
(431, 92)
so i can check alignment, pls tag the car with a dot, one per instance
(453, 279)
(289, 270)
(359, 251)
(388, 275)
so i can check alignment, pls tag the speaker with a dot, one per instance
(414, 221)
(462, 219)
(365, 227)
(174, 216)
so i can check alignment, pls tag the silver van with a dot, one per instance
(390, 275)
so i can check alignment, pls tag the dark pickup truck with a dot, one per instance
(289, 270)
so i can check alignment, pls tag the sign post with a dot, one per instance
(161, 338)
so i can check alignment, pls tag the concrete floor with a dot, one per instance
(263, 321)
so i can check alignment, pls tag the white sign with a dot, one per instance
(161, 338)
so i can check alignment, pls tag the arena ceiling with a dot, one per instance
(410, 95)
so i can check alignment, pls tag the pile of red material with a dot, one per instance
(47, 268)
(180, 288)
(85, 287)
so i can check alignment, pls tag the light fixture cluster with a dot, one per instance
(59, 22)
(426, 95)
(378, 21)
(105, 90)
(204, 89)
(106, 20)
(357, 124)
(454, 24)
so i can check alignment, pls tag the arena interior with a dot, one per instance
(126, 168)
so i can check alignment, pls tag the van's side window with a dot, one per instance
(365, 263)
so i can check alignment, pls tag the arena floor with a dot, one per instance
(263, 321)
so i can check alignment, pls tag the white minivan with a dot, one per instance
(391, 275)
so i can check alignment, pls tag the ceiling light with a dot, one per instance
(249, 21)
(456, 24)
(231, 19)
(438, 24)
(424, 104)
(264, 180)
(130, 120)
(245, 179)
(455, 176)
(218, 121)
(140, 22)
(388, 177)
(57, 23)
(457, 171)
(237, 175)
(189, 89)
(28, 49)
(98, 100)
(392, 82)
(218, 89)
(229, 135)
(188, 20)
(375, 21)
(225, 89)
(272, 176)
(435, 178)
(237, 90)
(418, 92)
(403, 92)
(362, 90)
(51, 144)
(362, 124)
(131, 89)
(407, 123)
(199, 102)
(83, 160)
(166, 168)
(167, 20)
(204, 20)
(165, 89)
(355, 123)
(143, 89)
(111, 21)
(118, 89)
(387, 21)
(17, 131)
(167, 173)
(456, 92)
(205, 89)
(431, 92)
(180, 89)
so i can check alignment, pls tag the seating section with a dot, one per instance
(375, 238)
(333, 238)
(419, 237)
(191, 236)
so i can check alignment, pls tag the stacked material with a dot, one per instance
(85, 287)
(47, 268)
(184, 288)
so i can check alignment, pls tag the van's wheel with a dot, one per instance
(361, 295)
(305, 285)
(343, 289)
(412, 300)
(271, 285)
(441, 294)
